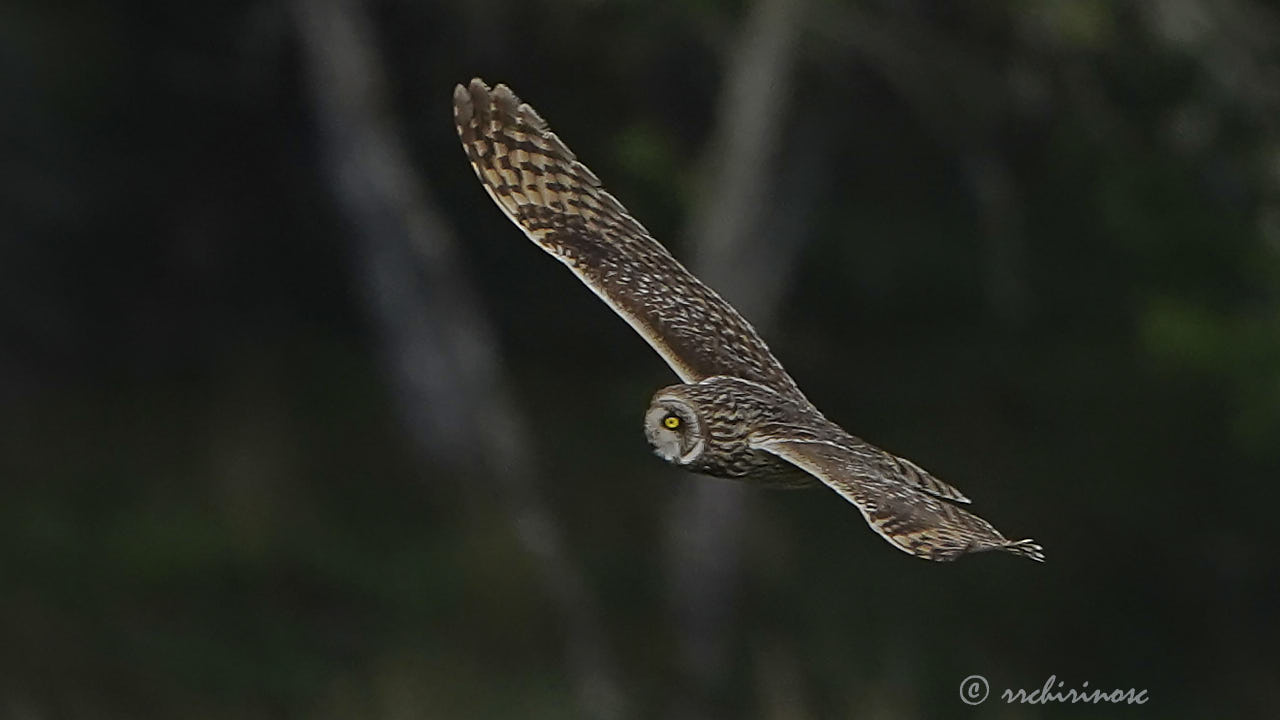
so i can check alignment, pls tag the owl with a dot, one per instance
(736, 413)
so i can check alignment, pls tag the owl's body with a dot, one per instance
(741, 408)
(738, 414)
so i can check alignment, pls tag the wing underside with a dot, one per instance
(559, 203)
(910, 518)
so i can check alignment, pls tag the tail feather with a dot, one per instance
(1027, 548)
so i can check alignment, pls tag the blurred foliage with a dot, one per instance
(1045, 264)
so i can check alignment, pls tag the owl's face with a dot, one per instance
(706, 427)
(674, 429)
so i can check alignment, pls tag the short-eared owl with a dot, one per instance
(738, 414)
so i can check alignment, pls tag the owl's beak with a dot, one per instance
(663, 453)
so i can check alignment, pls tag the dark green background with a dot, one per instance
(212, 505)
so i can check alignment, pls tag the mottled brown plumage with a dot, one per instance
(738, 413)
(559, 203)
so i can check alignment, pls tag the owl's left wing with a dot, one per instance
(912, 520)
(559, 203)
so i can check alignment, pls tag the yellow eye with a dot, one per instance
(671, 422)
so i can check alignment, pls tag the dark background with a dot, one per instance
(294, 423)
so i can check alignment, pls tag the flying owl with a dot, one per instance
(737, 413)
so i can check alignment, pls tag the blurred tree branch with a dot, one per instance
(746, 255)
(435, 339)
(964, 101)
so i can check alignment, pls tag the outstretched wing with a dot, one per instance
(814, 428)
(912, 520)
(561, 206)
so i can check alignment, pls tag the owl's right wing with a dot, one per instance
(911, 519)
(561, 206)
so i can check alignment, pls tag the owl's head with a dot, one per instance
(673, 426)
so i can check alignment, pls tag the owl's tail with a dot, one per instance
(1027, 548)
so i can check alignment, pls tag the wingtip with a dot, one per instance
(474, 93)
(467, 93)
(477, 103)
(477, 100)
(462, 108)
